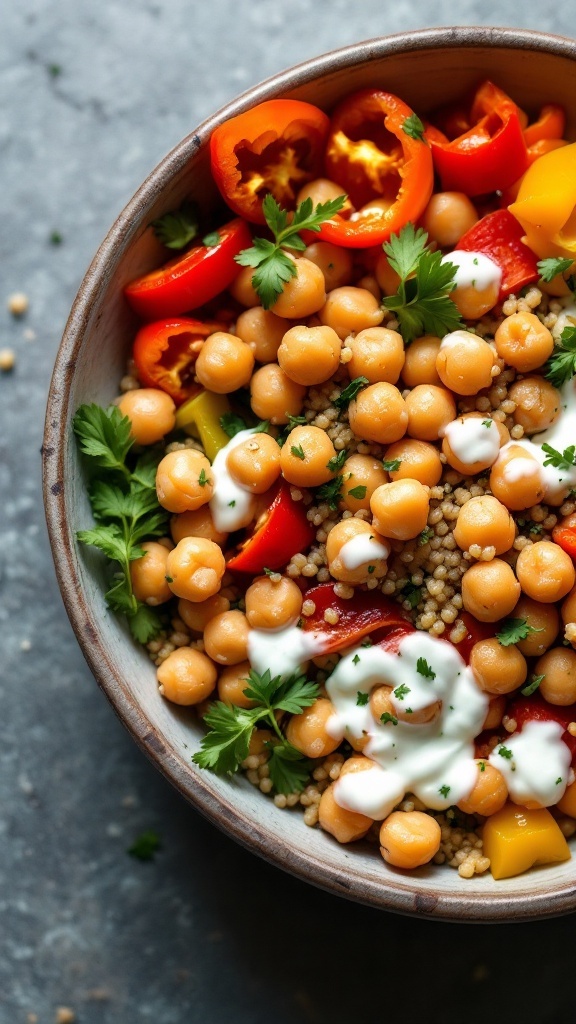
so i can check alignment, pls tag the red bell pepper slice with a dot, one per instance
(280, 532)
(191, 279)
(372, 157)
(564, 534)
(367, 611)
(276, 147)
(165, 354)
(536, 709)
(491, 155)
(499, 236)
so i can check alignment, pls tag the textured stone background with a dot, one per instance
(92, 94)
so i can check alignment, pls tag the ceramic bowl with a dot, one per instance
(425, 68)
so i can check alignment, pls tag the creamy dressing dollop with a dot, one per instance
(361, 550)
(474, 270)
(230, 504)
(473, 439)
(535, 763)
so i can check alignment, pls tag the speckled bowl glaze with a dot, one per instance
(425, 68)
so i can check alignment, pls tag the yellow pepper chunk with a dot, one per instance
(516, 839)
(546, 203)
(201, 418)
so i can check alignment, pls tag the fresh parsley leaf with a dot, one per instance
(337, 462)
(227, 742)
(104, 435)
(444, 790)
(145, 624)
(203, 479)
(358, 492)
(401, 691)
(298, 451)
(532, 686)
(487, 423)
(356, 659)
(414, 128)
(291, 695)
(561, 365)
(295, 421)
(232, 424)
(412, 594)
(423, 669)
(482, 766)
(564, 461)
(145, 846)
(387, 717)
(331, 492)
(552, 266)
(350, 392)
(515, 630)
(261, 428)
(505, 752)
(425, 536)
(362, 699)
(177, 228)
(289, 769)
(212, 239)
(422, 304)
(391, 465)
(272, 265)
(269, 572)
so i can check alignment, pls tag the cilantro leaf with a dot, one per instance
(226, 744)
(423, 669)
(532, 686)
(561, 365)
(349, 393)
(414, 128)
(145, 623)
(272, 265)
(444, 790)
(422, 303)
(337, 462)
(177, 228)
(412, 594)
(358, 492)
(563, 461)
(331, 492)
(401, 691)
(212, 239)
(145, 845)
(426, 536)
(362, 699)
(298, 452)
(515, 630)
(387, 717)
(391, 465)
(232, 424)
(289, 769)
(552, 266)
(104, 435)
(291, 695)
(505, 752)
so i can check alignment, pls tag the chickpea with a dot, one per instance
(226, 637)
(538, 404)
(558, 666)
(255, 462)
(196, 614)
(262, 331)
(303, 294)
(307, 731)
(546, 573)
(380, 702)
(516, 478)
(567, 805)
(305, 456)
(347, 569)
(242, 288)
(545, 623)
(523, 342)
(485, 521)
(569, 607)
(361, 474)
(418, 461)
(400, 509)
(377, 354)
(429, 409)
(195, 568)
(379, 413)
(496, 710)
(225, 363)
(148, 574)
(471, 301)
(387, 278)
(320, 190)
(349, 310)
(420, 362)
(196, 523)
(356, 764)
(232, 682)
(464, 362)
(271, 605)
(259, 739)
(346, 826)
(489, 794)
(310, 355)
(448, 216)
(409, 839)
(501, 437)
(186, 676)
(151, 412)
(490, 590)
(497, 669)
(334, 262)
(184, 480)
(273, 396)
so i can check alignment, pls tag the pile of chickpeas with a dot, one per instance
(328, 327)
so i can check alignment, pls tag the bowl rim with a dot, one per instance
(392, 894)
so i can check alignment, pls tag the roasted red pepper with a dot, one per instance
(190, 280)
(375, 153)
(280, 532)
(367, 611)
(491, 154)
(165, 354)
(564, 534)
(499, 236)
(536, 709)
(276, 147)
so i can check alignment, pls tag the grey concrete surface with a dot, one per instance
(92, 94)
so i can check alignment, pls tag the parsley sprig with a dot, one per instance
(272, 264)
(552, 266)
(515, 630)
(124, 505)
(562, 363)
(422, 303)
(564, 461)
(225, 746)
(178, 227)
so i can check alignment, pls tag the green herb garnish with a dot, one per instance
(505, 752)
(178, 227)
(444, 790)
(423, 669)
(401, 691)
(532, 686)
(564, 461)
(414, 128)
(552, 266)
(387, 717)
(358, 492)
(337, 462)
(391, 465)
(514, 630)
(331, 492)
(362, 699)
(349, 393)
(561, 365)
(298, 451)
(145, 846)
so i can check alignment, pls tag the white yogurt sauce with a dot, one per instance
(560, 436)
(535, 763)
(283, 651)
(474, 270)
(473, 439)
(362, 550)
(231, 504)
(434, 761)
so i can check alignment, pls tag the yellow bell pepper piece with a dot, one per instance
(200, 417)
(546, 203)
(516, 839)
